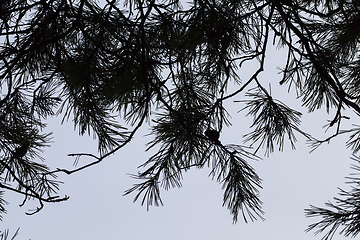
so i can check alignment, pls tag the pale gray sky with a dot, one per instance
(97, 210)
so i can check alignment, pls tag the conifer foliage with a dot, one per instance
(170, 64)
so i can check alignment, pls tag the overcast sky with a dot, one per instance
(97, 209)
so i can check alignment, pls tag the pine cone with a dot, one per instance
(213, 135)
(21, 151)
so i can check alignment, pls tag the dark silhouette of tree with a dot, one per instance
(5, 235)
(169, 65)
(344, 213)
